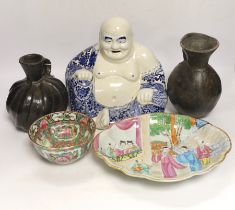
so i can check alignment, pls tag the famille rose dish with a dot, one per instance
(162, 147)
(62, 137)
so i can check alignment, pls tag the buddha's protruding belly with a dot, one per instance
(115, 91)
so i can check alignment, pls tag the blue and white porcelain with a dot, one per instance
(117, 78)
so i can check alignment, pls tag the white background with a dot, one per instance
(59, 29)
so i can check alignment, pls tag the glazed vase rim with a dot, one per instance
(203, 37)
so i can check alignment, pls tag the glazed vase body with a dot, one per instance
(194, 87)
(36, 95)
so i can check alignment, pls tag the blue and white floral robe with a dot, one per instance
(82, 97)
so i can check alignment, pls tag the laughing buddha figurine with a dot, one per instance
(117, 78)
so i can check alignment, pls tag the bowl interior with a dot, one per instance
(199, 42)
(62, 130)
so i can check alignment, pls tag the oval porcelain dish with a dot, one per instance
(162, 147)
(62, 137)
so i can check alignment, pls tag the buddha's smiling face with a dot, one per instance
(116, 40)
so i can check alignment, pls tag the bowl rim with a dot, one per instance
(60, 148)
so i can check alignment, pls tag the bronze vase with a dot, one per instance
(194, 87)
(36, 95)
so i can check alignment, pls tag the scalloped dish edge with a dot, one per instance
(166, 180)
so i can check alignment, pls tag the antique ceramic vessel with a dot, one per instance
(117, 78)
(62, 137)
(36, 95)
(193, 86)
(162, 147)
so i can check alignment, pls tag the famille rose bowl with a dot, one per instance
(62, 137)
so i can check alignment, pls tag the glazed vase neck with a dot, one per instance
(35, 66)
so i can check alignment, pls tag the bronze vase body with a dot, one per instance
(36, 95)
(194, 87)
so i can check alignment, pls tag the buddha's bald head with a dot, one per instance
(116, 39)
(116, 25)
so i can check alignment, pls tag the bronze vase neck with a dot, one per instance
(197, 48)
(35, 66)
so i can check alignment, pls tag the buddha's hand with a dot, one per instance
(83, 74)
(145, 96)
(102, 120)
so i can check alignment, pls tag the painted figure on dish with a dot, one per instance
(110, 151)
(189, 156)
(168, 163)
(204, 153)
(140, 167)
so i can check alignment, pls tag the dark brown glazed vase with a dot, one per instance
(36, 95)
(194, 87)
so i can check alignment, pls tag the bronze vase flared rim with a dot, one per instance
(192, 38)
(31, 59)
